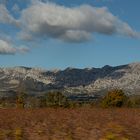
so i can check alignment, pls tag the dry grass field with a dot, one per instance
(70, 124)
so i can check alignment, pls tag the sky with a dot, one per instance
(56, 34)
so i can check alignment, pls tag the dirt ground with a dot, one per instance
(70, 124)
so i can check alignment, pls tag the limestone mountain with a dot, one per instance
(71, 80)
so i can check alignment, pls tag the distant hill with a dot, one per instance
(71, 80)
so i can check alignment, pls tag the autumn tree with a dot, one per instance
(114, 98)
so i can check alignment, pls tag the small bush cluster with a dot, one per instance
(133, 101)
(114, 98)
(50, 99)
(56, 99)
(117, 98)
(18, 134)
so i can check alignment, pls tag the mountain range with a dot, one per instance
(72, 81)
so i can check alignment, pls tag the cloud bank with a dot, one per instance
(7, 48)
(71, 24)
(42, 20)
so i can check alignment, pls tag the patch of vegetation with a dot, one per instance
(110, 136)
(114, 98)
(18, 134)
(5, 134)
(133, 101)
(56, 99)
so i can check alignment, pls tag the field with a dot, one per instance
(70, 124)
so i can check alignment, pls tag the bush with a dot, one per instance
(18, 134)
(114, 98)
(21, 98)
(56, 99)
(133, 101)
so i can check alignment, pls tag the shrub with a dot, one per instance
(133, 101)
(18, 134)
(114, 98)
(21, 98)
(56, 99)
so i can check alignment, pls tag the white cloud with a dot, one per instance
(22, 49)
(24, 35)
(7, 48)
(5, 16)
(75, 36)
(73, 24)
(5, 37)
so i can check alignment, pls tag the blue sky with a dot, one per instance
(109, 36)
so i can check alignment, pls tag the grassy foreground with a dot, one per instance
(70, 124)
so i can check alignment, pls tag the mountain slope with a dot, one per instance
(71, 80)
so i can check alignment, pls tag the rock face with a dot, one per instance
(71, 80)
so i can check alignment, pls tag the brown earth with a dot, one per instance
(70, 124)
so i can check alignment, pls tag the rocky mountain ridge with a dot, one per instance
(71, 80)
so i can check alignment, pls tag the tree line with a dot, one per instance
(113, 98)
